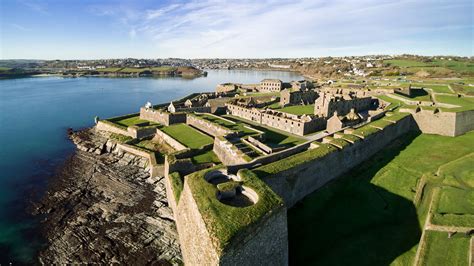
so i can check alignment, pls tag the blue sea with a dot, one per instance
(35, 114)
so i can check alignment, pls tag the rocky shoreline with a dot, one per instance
(103, 207)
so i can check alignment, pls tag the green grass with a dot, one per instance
(176, 185)
(461, 171)
(465, 103)
(441, 250)
(380, 123)
(298, 109)
(365, 131)
(462, 67)
(225, 223)
(294, 160)
(187, 135)
(435, 88)
(109, 69)
(370, 208)
(130, 121)
(163, 69)
(455, 207)
(206, 157)
(406, 63)
(393, 102)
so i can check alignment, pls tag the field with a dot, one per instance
(465, 103)
(441, 250)
(298, 109)
(187, 135)
(436, 65)
(371, 216)
(130, 121)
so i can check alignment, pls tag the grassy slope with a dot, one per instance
(367, 217)
(466, 103)
(441, 250)
(130, 121)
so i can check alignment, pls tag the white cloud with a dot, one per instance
(219, 28)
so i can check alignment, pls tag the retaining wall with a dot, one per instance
(227, 153)
(443, 123)
(160, 135)
(295, 183)
(109, 127)
(207, 126)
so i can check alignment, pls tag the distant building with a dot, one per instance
(270, 85)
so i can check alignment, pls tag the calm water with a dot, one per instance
(34, 116)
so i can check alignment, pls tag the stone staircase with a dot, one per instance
(243, 147)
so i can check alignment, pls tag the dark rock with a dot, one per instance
(100, 209)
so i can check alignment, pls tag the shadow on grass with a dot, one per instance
(352, 221)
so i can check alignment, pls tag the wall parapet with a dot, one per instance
(296, 176)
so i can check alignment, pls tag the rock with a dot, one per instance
(100, 210)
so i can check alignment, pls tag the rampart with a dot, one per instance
(442, 123)
(257, 236)
(305, 172)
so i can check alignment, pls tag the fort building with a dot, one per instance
(328, 103)
(270, 85)
(292, 97)
(295, 124)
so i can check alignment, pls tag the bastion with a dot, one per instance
(234, 211)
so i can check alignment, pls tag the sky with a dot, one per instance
(84, 29)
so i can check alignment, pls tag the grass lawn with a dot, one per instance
(465, 103)
(274, 137)
(367, 217)
(298, 109)
(206, 157)
(435, 88)
(441, 250)
(455, 207)
(131, 121)
(187, 135)
(393, 102)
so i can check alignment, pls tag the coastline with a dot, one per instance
(102, 207)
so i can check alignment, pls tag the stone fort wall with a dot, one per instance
(293, 126)
(207, 126)
(295, 183)
(443, 123)
(264, 243)
(162, 117)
